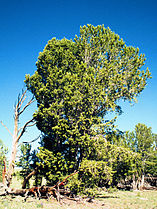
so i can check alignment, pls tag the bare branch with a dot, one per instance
(22, 96)
(30, 102)
(20, 104)
(20, 100)
(6, 128)
(29, 141)
(24, 129)
(27, 126)
(19, 109)
(31, 124)
(32, 140)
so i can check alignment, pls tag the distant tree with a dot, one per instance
(3, 152)
(121, 159)
(143, 141)
(24, 161)
(77, 83)
(27, 161)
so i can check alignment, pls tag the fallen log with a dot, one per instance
(20, 192)
(9, 191)
(38, 192)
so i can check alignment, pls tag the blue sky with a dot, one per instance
(26, 27)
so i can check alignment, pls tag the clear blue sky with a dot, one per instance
(26, 26)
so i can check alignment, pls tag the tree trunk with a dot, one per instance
(18, 133)
(142, 183)
(14, 151)
(28, 177)
(4, 172)
(134, 183)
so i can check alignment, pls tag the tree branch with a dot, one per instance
(20, 100)
(24, 129)
(22, 96)
(6, 128)
(62, 183)
(30, 102)
(31, 140)
(28, 177)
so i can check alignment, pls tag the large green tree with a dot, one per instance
(77, 82)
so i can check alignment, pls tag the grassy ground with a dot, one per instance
(104, 200)
(115, 200)
(131, 200)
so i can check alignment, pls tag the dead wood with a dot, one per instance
(57, 191)
(20, 192)
(10, 191)
(18, 132)
(28, 177)
(64, 181)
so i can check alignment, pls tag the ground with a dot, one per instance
(105, 200)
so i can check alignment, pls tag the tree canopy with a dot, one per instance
(77, 82)
(143, 141)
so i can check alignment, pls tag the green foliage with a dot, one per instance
(24, 161)
(76, 84)
(151, 164)
(75, 184)
(122, 160)
(125, 163)
(27, 162)
(52, 165)
(143, 141)
(92, 174)
(95, 173)
(3, 152)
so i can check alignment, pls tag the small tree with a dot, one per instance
(24, 161)
(28, 161)
(52, 166)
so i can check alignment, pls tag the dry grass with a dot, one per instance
(131, 200)
(105, 200)
(116, 200)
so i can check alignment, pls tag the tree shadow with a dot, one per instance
(105, 197)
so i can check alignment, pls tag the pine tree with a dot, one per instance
(77, 83)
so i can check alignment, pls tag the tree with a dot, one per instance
(77, 83)
(52, 166)
(24, 160)
(142, 141)
(3, 152)
(28, 163)
(20, 107)
(151, 166)
(123, 162)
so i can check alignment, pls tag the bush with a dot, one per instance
(95, 173)
(92, 174)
